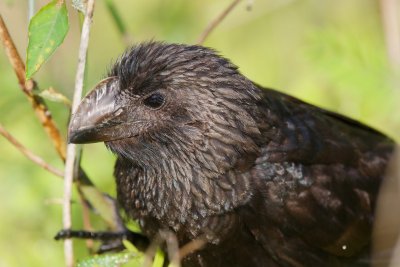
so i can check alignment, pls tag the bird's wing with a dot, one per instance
(317, 179)
(308, 134)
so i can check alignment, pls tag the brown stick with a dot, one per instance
(27, 87)
(192, 246)
(29, 154)
(389, 15)
(151, 251)
(86, 219)
(172, 247)
(71, 163)
(213, 24)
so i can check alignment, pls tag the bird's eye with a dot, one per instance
(155, 100)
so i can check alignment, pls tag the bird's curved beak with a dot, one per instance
(96, 115)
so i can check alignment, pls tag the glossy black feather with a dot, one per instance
(267, 179)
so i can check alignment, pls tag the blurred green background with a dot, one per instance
(330, 53)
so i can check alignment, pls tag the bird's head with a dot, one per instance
(160, 99)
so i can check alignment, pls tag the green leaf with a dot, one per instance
(112, 260)
(133, 226)
(47, 30)
(129, 246)
(158, 259)
(53, 95)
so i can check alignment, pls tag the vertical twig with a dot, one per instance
(31, 9)
(86, 218)
(70, 163)
(151, 251)
(172, 247)
(216, 21)
(386, 233)
(390, 21)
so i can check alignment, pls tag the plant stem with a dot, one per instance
(29, 154)
(71, 165)
(213, 24)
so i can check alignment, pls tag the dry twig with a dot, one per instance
(192, 246)
(86, 219)
(29, 154)
(213, 24)
(172, 247)
(386, 234)
(27, 87)
(70, 164)
(390, 21)
(151, 250)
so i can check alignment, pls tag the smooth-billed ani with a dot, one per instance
(201, 150)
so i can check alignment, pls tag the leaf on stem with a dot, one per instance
(112, 260)
(54, 96)
(47, 30)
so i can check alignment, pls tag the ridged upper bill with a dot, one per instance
(93, 120)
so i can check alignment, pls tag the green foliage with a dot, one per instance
(159, 259)
(133, 226)
(355, 73)
(47, 30)
(113, 260)
(132, 258)
(129, 246)
(53, 95)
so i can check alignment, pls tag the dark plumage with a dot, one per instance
(202, 151)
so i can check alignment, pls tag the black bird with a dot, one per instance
(202, 151)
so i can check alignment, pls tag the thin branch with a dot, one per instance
(390, 21)
(27, 87)
(192, 246)
(70, 163)
(116, 16)
(172, 247)
(216, 22)
(86, 218)
(31, 9)
(30, 155)
(386, 232)
(13, 56)
(151, 250)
